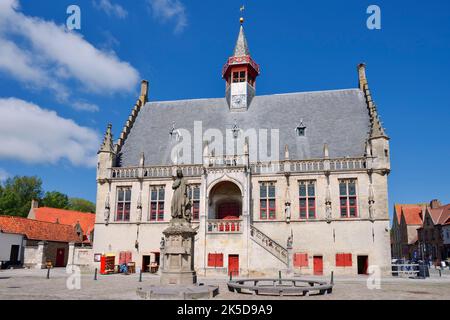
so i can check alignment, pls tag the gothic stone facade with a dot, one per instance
(321, 206)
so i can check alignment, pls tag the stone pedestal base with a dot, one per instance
(178, 254)
(178, 278)
(178, 292)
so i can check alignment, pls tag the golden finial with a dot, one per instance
(242, 12)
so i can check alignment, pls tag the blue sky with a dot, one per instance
(91, 77)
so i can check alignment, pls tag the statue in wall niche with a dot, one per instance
(290, 241)
(287, 211)
(371, 211)
(181, 207)
(328, 211)
(107, 213)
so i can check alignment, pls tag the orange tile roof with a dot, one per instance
(412, 213)
(69, 217)
(38, 230)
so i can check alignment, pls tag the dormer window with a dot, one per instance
(301, 129)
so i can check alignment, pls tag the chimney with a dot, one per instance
(144, 92)
(34, 204)
(362, 75)
(435, 203)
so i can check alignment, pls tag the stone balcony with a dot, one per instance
(224, 226)
(242, 161)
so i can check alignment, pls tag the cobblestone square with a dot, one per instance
(33, 285)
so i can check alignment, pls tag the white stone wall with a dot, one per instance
(6, 241)
(358, 236)
(32, 257)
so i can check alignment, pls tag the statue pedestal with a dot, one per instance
(178, 255)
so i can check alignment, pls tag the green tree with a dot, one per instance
(55, 199)
(16, 195)
(82, 205)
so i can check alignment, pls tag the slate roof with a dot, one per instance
(241, 48)
(339, 118)
(38, 230)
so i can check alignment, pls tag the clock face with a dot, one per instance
(238, 101)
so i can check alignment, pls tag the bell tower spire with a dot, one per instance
(240, 73)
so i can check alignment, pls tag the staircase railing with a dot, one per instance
(276, 249)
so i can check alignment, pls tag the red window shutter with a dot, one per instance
(348, 260)
(210, 260)
(304, 262)
(339, 260)
(300, 260)
(220, 260)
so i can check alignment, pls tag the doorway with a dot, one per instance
(363, 265)
(14, 256)
(318, 265)
(226, 210)
(233, 265)
(60, 257)
(145, 263)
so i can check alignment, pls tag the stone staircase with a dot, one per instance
(270, 245)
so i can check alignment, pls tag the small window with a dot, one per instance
(267, 195)
(343, 260)
(157, 195)
(194, 196)
(301, 260)
(123, 206)
(239, 76)
(301, 129)
(215, 260)
(307, 199)
(348, 198)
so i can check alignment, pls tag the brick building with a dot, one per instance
(433, 233)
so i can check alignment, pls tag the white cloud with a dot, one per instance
(85, 106)
(111, 8)
(4, 175)
(49, 56)
(36, 135)
(170, 10)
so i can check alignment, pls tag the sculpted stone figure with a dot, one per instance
(180, 208)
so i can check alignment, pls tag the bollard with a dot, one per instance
(231, 276)
(95, 274)
(440, 273)
(140, 276)
(48, 273)
(279, 276)
(332, 277)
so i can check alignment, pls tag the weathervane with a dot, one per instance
(242, 9)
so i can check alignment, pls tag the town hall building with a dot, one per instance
(286, 181)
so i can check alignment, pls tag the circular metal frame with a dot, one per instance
(280, 287)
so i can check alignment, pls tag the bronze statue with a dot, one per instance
(181, 207)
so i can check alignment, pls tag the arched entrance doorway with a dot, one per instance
(225, 202)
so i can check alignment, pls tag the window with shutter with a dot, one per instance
(300, 260)
(348, 260)
(215, 260)
(343, 260)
